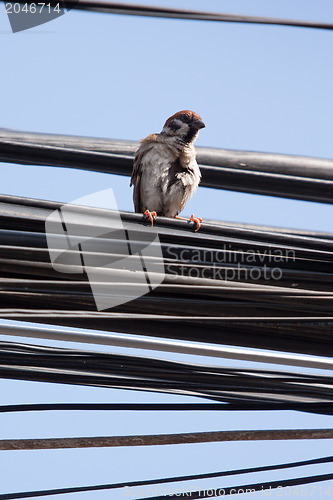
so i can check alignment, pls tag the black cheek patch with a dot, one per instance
(190, 134)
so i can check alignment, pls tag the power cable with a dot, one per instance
(132, 484)
(197, 294)
(163, 439)
(253, 388)
(167, 12)
(285, 176)
(323, 408)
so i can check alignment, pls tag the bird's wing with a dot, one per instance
(136, 180)
(145, 147)
(185, 197)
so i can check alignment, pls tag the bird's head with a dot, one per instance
(183, 125)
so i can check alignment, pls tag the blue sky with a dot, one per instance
(259, 88)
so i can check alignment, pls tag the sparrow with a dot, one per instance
(165, 171)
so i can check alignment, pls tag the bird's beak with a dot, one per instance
(199, 124)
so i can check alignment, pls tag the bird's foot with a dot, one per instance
(151, 216)
(197, 220)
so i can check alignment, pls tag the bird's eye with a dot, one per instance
(186, 119)
(174, 126)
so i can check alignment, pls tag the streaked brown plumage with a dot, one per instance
(165, 172)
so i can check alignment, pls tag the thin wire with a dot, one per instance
(235, 472)
(218, 492)
(166, 12)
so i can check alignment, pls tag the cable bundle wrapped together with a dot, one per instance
(287, 176)
(239, 389)
(228, 284)
(225, 284)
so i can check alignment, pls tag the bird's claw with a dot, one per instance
(197, 221)
(151, 216)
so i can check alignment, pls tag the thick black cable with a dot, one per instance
(323, 408)
(291, 314)
(19, 210)
(231, 173)
(293, 165)
(303, 335)
(257, 389)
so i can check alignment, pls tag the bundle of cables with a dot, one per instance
(235, 284)
(207, 291)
